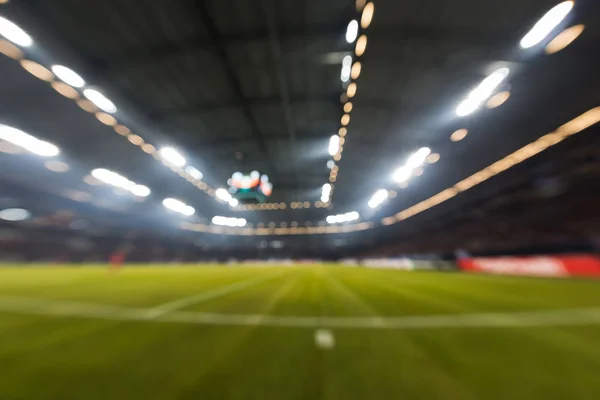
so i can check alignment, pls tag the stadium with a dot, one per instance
(350, 199)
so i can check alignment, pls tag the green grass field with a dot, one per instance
(249, 333)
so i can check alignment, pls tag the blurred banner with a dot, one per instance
(551, 266)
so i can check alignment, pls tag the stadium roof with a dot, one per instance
(259, 85)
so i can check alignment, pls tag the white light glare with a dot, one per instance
(100, 100)
(379, 197)
(352, 31)
(68, 76)
(345, 74)
(481, 93)
(233, 202)
(178, 206)
(223, 195)
(193, 172)
(232, 222)
(334, 145)
(112, 178)
(140, 190)
(12, 32)
(330, 164)
(418, 158)
(14, 214)
(116, 180)
(341, 218)
(28, 142)
(172, 156)
(326, 193)
(546, 24)
(402, 174)
(346, 68)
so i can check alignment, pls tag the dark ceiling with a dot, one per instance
(255, 84)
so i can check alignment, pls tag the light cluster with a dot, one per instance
(25, 141)
(326, 193)
(178, 206)
(342, 218)
(350, 71)
(485, 93)
(412, 165)
(71, 85)
(231, 222)
(378, 198)
(114, 179)
(570, 128)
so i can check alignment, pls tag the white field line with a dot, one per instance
(207, 295)
(568, 317)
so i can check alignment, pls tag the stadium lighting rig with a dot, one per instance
(28, 142)
(546, 24)
(342, 218)
(73, 86)
(114, 179)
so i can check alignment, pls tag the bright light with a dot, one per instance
(341, 218)
(14, 214)
(361, 45)
(546, 24)
(172, 156)
(402, 174)
(351, 90)
(112, 178)
(193, 172)
(367, 15)
(28, 142)
(498, 99)
(232, 222)
(233, 202)
(347, 61)
(345, 74)
(223, 195)
(100, 100)
(352, 216)
(17, 35)
(334, 145)
(68, 76)
(326, 188)
(140, 190)
(356, 68)
(379, 197)
(188, 211)
(433, 158)
(352, 31)
(346, 68)
(564, 39)
(459, 135)
(418, 158)
(178, 206)
(330, 164)
(481, 92)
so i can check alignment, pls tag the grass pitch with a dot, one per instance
(249, 333)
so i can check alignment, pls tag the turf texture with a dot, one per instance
(206, 332)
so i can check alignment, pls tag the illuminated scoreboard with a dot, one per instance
(254, 187)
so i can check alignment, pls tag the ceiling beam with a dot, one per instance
(331, 31)
(219, 47)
